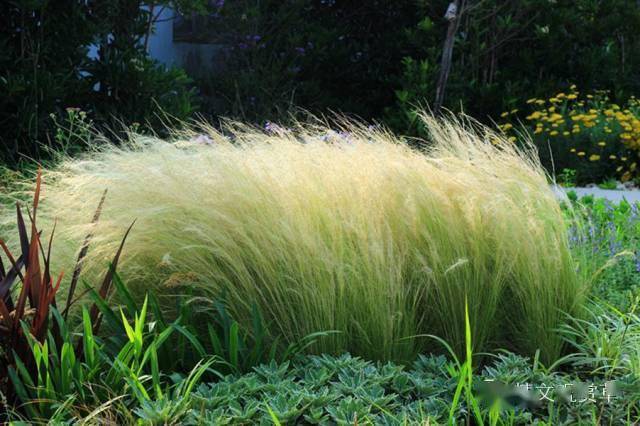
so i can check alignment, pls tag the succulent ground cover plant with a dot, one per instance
(349, 390)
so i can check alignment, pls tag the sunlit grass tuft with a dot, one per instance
(351, 231)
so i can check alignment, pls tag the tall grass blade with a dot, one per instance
(83, 252)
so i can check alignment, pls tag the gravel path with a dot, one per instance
(632, 196)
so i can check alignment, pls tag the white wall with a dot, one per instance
(189, 55)
(195, 57)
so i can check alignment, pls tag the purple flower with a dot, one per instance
(273, 127)
(614, 248)
(574, 237)
(300, 50)
(202, 140)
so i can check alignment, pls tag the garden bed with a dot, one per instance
(312, 276)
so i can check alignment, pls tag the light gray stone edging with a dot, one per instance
(631, 195)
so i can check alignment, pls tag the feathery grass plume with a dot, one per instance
(348, 230)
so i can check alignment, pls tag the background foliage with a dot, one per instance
(45, 68)
(343, 58)
(357, 57)
(377, 60)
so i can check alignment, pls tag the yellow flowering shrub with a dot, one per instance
(591, 134)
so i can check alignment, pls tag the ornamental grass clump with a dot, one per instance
(352, 231)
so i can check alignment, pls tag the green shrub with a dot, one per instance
(381, 59)
(45, 69)
(324, 231)
(42, 48)
(505, 52)
(142, 92)
(343, 58)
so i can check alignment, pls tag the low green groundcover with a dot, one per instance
(349, 390)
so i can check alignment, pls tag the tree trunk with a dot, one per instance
(454, 12)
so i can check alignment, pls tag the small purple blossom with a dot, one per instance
(202, 140)
(614, 248)
(269, 126)
(274, 128)
(574, 236)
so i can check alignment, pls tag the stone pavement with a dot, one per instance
(614, 195)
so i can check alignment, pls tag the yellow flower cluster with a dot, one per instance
(593, 127)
